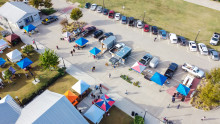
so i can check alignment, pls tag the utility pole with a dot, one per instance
(144, 15)
(63, 62)
(35, 44)
(103, 3)
(197, 35)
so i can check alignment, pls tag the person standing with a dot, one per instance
(173, 99)
(109, 75)
(155, 39)
(126, 92)
(100, 86)
(71, 52)
(74, 50)
(57, 47)
(203, 118)
(178, 106)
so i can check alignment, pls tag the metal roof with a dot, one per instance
(123, 51)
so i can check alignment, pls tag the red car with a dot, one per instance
(146, 28)
(111, 14)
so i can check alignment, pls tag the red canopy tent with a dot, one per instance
(13, 39)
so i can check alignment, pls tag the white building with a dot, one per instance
(19, 14)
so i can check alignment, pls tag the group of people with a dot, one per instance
(177, 95)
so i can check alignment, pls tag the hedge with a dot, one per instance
(138, 120)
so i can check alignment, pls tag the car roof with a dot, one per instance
(163, 31)
(111, 11)
(214, 52)
(146, 25)
(94, 4)
(154, 26)
(117, 13)
(192, 41)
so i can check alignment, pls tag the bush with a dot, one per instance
(126, 78)
(48, 11)
(136, 83)
(28, 49)
(138, 120)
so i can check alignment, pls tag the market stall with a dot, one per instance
(80, 87)
(105, 102)
(14, 56)
(24, 63)
(81, 42)
(95, 51)
(13, 39)
(71, 97)
(138, 67)
(158, 78)
(182, 89)
(2, 62)
(94, 114)
(3, 45)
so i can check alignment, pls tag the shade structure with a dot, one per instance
(94, 114)
(2, 61)
(80, 87)
(14, 56)
(29, 28)
(67, 34)
(12, 70)
(138, 67)
(3, 44)
(70, 96)
(95, 51)
(158, 78)
(12, 37)
(81, 41)
(182, 89)
(105, 102)
(24, 63)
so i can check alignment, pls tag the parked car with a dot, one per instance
(163, 34)
(214, 54)
(146, 59)
(87, 5)
(93, 7)
(192, 46)
(173, 38)
(97, 33)
(108, 34)
(117, 16)
(99, 9)
(171, 70)
(154, 62)
(105, 11)
(88, 31)
(215, 38)
(193, 70)
(49, 20)
(140, 24)
(154, 30)
(203, 49)
(182, 40)
(77, 31)
(111, 14)
(131, 21)
(124, 20)
(146, 28)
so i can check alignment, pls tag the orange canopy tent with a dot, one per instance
(71, 97)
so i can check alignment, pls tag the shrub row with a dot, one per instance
(48, 11)
(128, 79)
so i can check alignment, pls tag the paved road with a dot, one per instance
(206, 3)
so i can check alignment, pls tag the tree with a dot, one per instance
(49, 59)
(28, 49)
(7, 74)
(138, 120)
(35, 3)
(76, 14)
(48, 3)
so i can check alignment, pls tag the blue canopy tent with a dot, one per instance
(182, 89)
(81, 41)
(2, 61)
(95, 51)
(24, 63)
(158, 78)
(29, 28)
(94, 114)
(12, 70)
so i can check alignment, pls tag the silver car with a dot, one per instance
(139, 24)
(203, 49)
(214, 55)
(99, 9)
(93, 7)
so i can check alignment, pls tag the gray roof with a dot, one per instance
(14, 11)
(109, 40)
(50, 108)
(123, 51)
(9, 110)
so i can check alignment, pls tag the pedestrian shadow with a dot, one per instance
(207, 119)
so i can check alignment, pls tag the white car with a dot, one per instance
(99, 9)
(140, 24)
(203, 49)
(215, 38)
(173, 38)
(93, 7)
(117, 16)
(192, 46)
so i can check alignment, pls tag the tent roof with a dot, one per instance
(3, 43)
(80, 86)
(14, 55)
(138, 67)
(24, 63)
(67, 34)
(14, 11)
(29, 28)
(70, 96)
(9, 110)
(2, 61)
(105, 102)
(12, 37)
(158, 78)
(12, 70)
(183, 89)
(94, 114)
(81, 41)
(50, 108)
(95, 51)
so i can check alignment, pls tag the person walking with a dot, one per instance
(165, 120)
(109, 75)
(74, 50)
(178, 106)
(93, 68)
(126, 92)
(100, 91)
(71, 52)
(100, 86)
(57, 47)
(173, 99)
(168, 106)
(203, 118)
(155, 39)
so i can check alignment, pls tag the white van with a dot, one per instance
(154, 62)
(173, 38)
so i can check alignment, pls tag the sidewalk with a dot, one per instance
(206, 3)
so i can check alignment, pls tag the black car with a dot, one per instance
(87, 5)
(49, 20)
(97, 33)
(105, 11)
(154, 30)
(171, 70)
(88, 31)
(131, 21)
(182, 40)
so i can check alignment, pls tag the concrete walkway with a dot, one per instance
(206, 3)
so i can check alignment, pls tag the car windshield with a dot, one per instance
(146, 27)
(216, 56)
(215, 39)
(193, 46)
(174, 39)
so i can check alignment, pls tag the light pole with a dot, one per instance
(197, 35)
(32, 75)
(63, 62)
(35, 44)
(144, 15)
(145, 114)
(18, 100)
(8, 25)
(103, 2)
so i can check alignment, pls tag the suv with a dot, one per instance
(173, 38)
(93, 7)
(214, 54)
(99, 9)
(131, 21)
(105, 11)
(88, 31)
(87, 5)
(154, 30)
(171, 70)
(97, 33)
(111, 14)
(182, 40)
(124, 20)
(49, 20)
(215, 38)
(203, 49)
(192, 46)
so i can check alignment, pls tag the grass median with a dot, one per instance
(175, 16)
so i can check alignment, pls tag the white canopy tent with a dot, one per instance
(94, 114)
(80, 87)
(14, 56)
(3, 44)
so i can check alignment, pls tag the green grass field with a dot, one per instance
(176, 16)
(2, 2)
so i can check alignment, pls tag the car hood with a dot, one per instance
(201, 73)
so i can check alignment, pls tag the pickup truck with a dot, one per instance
(146, 59)
(116, 48)
(171, 70)
(215, 38)
(193, 70)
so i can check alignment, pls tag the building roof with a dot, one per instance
(14, 11)
(123, 51)
(50, 108)
(9, 110)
